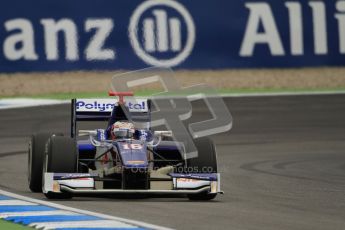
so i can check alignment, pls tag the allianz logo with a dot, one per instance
(159, 41)
(161, 32)
(156, 27)
(301, 15)
(107, 107)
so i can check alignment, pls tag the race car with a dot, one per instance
(124, 156)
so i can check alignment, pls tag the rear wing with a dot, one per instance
(100, 109)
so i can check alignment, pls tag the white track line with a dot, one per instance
(196, 96)
(268, 94)
(82, 224)
(15, 202)
(58, 206)
(29, 102)
(37, 213)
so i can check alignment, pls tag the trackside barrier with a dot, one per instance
(60, 35)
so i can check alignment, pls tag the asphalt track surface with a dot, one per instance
(282, 165)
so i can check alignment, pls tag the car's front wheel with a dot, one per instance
(36, 152)
(60, 157)
(206, 162)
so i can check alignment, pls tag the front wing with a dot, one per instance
(83, 183)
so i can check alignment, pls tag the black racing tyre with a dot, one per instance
(206, 162)
(60, 157)
(36, 151)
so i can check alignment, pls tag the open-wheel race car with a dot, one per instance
(121, 158)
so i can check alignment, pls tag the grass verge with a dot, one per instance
(11, 226)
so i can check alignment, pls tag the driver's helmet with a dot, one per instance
(122, 129)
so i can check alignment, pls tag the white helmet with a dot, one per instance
(122, 129)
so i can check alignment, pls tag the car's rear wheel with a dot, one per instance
(206, 162)
(60, 157)
(36, 151)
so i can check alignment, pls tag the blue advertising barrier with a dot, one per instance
(60, 35)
